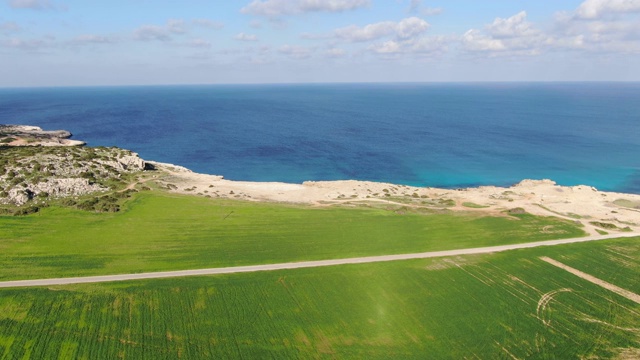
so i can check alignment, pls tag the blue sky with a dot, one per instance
(136, 42)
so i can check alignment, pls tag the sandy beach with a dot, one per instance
(596, 210)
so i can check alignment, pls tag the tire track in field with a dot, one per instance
(592, 279)
(302, 264)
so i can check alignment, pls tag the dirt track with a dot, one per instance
(298, 265)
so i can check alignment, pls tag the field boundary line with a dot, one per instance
(302, 264)
(592, 279)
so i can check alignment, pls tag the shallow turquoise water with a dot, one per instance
(445, 135)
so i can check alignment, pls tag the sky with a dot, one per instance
(150, 42)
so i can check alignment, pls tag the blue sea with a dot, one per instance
(441, 135)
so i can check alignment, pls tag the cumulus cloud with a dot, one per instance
(176, 26)
(295, 52)
(515, 26)
(387, 47)
(210, 24)
(26, 44)
(92, 39)
(390, 38)
(31, 4)
(420, 46)
(416, 7)
(429, 45)
(366, 33)
(9, 27)
(198, 43)
(411, 27)
(276, 8)
(594, 9)
(404, 29)
(151, 32)
(598, 26)
(475, 40)
(310, 36)
(246, 37)
(507, 36)
(336, 52)
(160, 33)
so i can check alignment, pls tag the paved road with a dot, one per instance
(298, 265)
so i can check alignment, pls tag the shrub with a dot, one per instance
(517, 211)
(26, 210)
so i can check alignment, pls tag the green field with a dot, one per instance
(506, 305)
(158, 231)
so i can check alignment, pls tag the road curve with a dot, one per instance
(299, 265)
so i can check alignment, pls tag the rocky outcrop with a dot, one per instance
(26, 135)
(126, 163)
(53, 188)
(41, 173)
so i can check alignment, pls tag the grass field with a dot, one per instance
(506, 305)
(157, 231)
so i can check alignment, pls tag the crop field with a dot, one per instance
(159, 231)
(509, 305)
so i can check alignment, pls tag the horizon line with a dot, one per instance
(469, 82)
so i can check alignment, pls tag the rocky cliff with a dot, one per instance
(38, 173)
(26, 135)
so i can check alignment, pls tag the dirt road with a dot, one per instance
(298, 265)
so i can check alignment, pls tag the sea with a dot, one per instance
(451, 135)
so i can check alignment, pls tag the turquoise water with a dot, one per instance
(444, 135)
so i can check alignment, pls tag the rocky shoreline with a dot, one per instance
(26, 135)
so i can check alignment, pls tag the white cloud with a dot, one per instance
(593, 28)
(208, 23)
(515, 26)
(9, 27)
(387, 47)
(151, 32)
(246, 37)
(474, 40)
(176, 26)
(92, 39)
(404, 29)
(427, 11)
(310, 36)
(160, 33)
(366, 33)
(198, 43)
(22, 44)
(411, 27)
(31, 4)
(507, 36)
(295, 52)
(420, 46)
(594, 9)
(336, 52)
(276, 8)
(430, 45)
(416, 7)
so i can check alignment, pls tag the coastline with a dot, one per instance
(599, 211)
(27, 135)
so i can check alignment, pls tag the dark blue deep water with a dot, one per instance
(444, 135)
